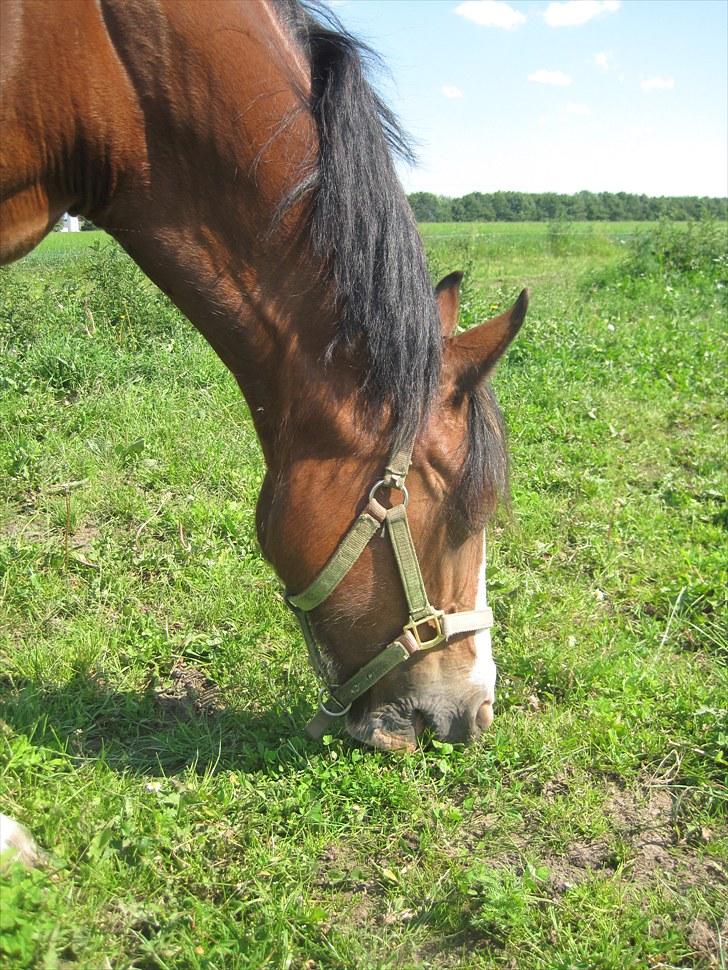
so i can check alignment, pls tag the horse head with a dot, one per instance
(241, 157)
(411, 666)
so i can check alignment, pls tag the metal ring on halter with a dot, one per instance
(400, 488)
(322, 694)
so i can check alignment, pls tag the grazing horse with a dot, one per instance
(238, 153)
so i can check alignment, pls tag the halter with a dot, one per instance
(427, 627)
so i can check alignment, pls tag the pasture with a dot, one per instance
(154, 687)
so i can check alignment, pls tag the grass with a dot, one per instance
(153, 687)
(59, 247)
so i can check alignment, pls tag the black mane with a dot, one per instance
(362, 224)
(364, 229)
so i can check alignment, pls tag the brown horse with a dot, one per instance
(239, 155)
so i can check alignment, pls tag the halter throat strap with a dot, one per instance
(427, 626)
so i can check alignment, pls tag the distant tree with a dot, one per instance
(458, 211)
(473, 208)
(424, 206)
(552, 207)
(578, 207)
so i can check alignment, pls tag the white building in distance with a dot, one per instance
(70, 223)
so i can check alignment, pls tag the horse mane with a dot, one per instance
(363, 228)
(362, 225)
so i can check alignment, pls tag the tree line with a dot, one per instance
(550, 206)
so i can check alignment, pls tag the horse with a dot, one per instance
(242, 158)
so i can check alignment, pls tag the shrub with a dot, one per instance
(560, 236)
(668, 256)
(122, 301)
(670, 249)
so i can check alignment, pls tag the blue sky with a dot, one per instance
(538, 96)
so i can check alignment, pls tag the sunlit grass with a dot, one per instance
(154, 687)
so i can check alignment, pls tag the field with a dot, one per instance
(154, 688)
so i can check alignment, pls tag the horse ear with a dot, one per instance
(479, 349)
(447, 294)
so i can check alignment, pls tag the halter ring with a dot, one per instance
(322, 694)
(382, 484)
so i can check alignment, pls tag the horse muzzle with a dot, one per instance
(390, 730)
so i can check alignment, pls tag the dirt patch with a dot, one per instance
(479, 828)
(82, 538)
(591, 855)
(455, 950)
(189, 689)
(362, 887)
(581, 861)
(359, 897)
(340, 870)
(556, 787)
(706, 940)
(648, 824)
(30, 531)
(643, 843)
(361, 909)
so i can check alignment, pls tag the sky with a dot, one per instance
(537, 96)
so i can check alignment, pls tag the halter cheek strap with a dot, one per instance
(427, 627)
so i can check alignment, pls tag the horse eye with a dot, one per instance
(456, 398)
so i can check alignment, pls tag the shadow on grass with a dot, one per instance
(151, 732)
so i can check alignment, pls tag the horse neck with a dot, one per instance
(209, 151)
(262, 313)
(273, 324)
(180, 128)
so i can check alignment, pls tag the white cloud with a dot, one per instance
(491, 13)
(603, 60)
(574, 13)
(658, 84)
(555, 78)
(451, 91)
(575, 108)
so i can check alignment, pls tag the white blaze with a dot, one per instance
(483, 671)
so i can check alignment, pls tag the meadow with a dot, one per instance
(154, 687)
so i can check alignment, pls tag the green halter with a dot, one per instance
(438, 626)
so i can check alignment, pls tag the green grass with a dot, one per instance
(527, 231)
(153, 687)
(70, 242)
(60, 248)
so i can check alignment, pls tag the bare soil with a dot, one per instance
(189, 688)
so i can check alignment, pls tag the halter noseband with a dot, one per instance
(413, 638)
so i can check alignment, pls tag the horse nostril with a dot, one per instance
(484, 717)
(419, 723)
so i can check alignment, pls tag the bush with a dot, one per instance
(668, 256)
(120, 300)
(670, 249)
(560, 237)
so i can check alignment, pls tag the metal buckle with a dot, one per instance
(399, 488)
(322, 694)
(413, 627)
